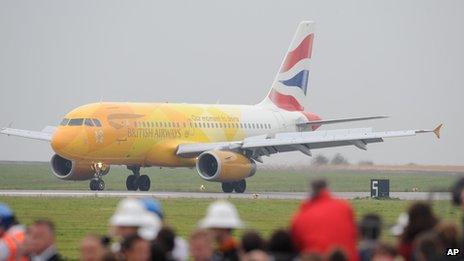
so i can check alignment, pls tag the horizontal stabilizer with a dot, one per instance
(332, 121)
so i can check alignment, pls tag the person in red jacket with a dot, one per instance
(324, 224)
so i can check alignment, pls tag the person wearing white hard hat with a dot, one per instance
(131, 218)
(222, 218)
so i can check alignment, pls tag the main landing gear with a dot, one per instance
(237, 186)
(97, 182)
(136, 181)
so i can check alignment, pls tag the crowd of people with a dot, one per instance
(323, 228)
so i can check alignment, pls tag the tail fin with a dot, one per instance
(290, 85)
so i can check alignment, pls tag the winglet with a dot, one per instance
(437, 130)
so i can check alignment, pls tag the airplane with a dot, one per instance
(223, 142)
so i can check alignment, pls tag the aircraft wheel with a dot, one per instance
(97, 184)
(227, 187)
(144, 183)
(131, 183)
(93, 184)
(240, 186)
(100, 185)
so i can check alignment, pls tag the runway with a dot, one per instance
(215, 195)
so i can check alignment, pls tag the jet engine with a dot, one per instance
(224, 166)
(74, 170)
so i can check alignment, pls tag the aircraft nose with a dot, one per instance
(60, 140)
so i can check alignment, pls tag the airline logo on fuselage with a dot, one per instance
(149, 133)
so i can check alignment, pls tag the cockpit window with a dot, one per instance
(64, 122)
(97, 123)
(88, 122)
(75, 122)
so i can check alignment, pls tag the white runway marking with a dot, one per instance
(211, 195)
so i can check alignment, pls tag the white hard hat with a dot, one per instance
(401, 223)
(131, 213)
(221, 214)
(150, 231)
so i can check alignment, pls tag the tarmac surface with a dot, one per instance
(215, 195)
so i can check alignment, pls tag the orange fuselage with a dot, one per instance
(148, 134)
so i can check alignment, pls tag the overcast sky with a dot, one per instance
(399, 58)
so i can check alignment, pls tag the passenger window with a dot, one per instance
(88, 122)
(64, 122)
(75, 122)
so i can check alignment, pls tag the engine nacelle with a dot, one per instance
(224, 166)
(74, 170)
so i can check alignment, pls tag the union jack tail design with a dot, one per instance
(291, 83)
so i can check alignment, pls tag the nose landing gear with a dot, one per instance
(97, 182)
(136, 181)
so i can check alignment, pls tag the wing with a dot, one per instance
(258, 146)
(332, 121)
(45, 135)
